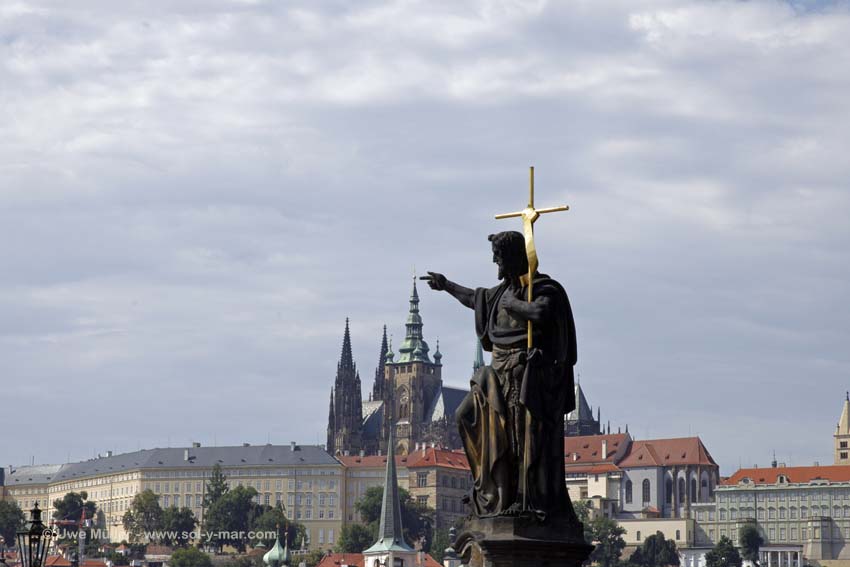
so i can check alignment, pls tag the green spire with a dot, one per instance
(478, 362)
(390, 531)
(414, 348)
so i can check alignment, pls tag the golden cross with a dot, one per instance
(529, 217)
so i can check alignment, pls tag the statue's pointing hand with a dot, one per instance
(435, 281)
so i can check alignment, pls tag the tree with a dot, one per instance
(177, 524)
(751, 542)
(144, 516)
(607, 535)
(723, 554)
(354, 538)
(440, 543)
(582, 509)
(232, 512)
(216, 486)
(273, 521)
(656, 551)
(189, 557)
(416, 518)
(11, 520)
(70, 507)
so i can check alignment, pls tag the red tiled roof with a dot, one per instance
(357, 560)
(370, 461)
(832, 473)
(667, 452)
(583, 450)
(444, 458)
(56, 561)
(93, 563)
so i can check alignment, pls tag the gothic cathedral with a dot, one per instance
(408, 394)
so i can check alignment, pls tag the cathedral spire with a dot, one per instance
(345, 431)
(378, 387)
(414, 348)
(346, 361)
(331, 426)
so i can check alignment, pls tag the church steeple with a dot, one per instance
(414, 348)
(390, 538)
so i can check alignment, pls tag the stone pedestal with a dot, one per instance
(521, 542)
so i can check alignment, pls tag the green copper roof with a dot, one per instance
(414, 348)
(278, 556)
(390, 531)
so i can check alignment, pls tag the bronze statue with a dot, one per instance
(512, 421)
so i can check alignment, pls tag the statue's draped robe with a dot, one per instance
(543, 384)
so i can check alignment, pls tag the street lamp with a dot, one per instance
(33, 542)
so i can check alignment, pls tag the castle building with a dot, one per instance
(305, 479)
(408, 396)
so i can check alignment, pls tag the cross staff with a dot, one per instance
(529, 217)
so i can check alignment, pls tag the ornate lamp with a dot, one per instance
(33, 542)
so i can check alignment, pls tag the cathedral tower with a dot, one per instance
(411, 383)
(345, 414)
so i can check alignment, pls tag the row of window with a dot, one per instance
(781, 513)
(781, 495)
(646, 490)
(783, 533)
(448, 481)
(678, 535)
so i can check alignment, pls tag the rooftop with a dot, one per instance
(795, 475)
(175, 458)
(667, 452)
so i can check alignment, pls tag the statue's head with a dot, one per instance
(509, 254)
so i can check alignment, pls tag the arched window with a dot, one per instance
(681, 490)
(668, 490)
(646, 490)
(628, 492)
(693, 489)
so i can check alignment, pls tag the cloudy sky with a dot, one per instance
(195, 195)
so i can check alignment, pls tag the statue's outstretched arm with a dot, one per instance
(439, 282)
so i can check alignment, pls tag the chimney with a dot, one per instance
(292, 445)
(420, 557)
(246, 444)
(185, 454)
(817, 463)
(575, 456)
(781, 465)
(345, 453)
(362, 453)
(109, 453)
(195, 444)
(424, 449)
(604, 449)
